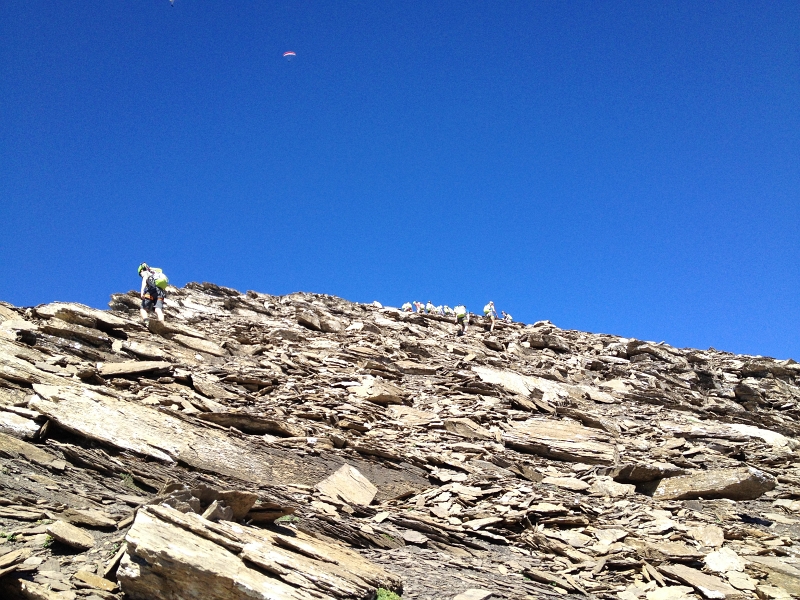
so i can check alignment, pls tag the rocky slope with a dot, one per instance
(303, 446)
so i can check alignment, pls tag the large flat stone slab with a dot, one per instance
(79, 314)
(16, 365)
(199, 345)
(708, 585)
(746, 483)
(66, 330)
(562, 440)
(150, 432)
(12, 447)
(175, 555)
(133, 367)
(780, 572)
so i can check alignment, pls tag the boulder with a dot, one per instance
(95, 581)
(309, 320)
(210, 388)
(149, 432)
(556, 343)
(142, 350)
(330, 324)
(169, 328)
(88, 518)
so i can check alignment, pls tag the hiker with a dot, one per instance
(506, 317)
(406, 307)
(462, 319)
(419, 306)
(153, 292)
(447, 311)
(430, 308)
(490, 313)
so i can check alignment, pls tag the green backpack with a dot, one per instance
(160, 279)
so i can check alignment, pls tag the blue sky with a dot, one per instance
(620, 167)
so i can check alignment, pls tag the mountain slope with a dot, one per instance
(152, 462)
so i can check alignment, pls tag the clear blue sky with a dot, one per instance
(620, 167)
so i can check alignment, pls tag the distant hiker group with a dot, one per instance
(460, 313)
(153, 291)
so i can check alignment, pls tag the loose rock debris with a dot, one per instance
(254, 446)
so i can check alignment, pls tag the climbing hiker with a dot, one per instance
(430, 308)
(153, 292)
(462, 319)
(407, 307)
(447, 311)
(506, 317)
(490, 313)
(419, 306)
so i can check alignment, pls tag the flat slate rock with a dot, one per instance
(133, 367)
(170, 554)
(709, 586)
(467, 428)
(746, 483)
(562, 440)
(18, 426)
(348, 484)
(79, 314)
(70, 535)
(474, 594)
(12, 447)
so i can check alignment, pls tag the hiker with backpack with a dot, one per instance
(462, 319)
(490, 314)
(153, 292)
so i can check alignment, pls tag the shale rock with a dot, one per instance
(303, 446)
(735, 484)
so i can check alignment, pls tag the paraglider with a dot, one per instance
(289, 55)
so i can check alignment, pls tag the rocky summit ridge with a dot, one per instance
(304, 446)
